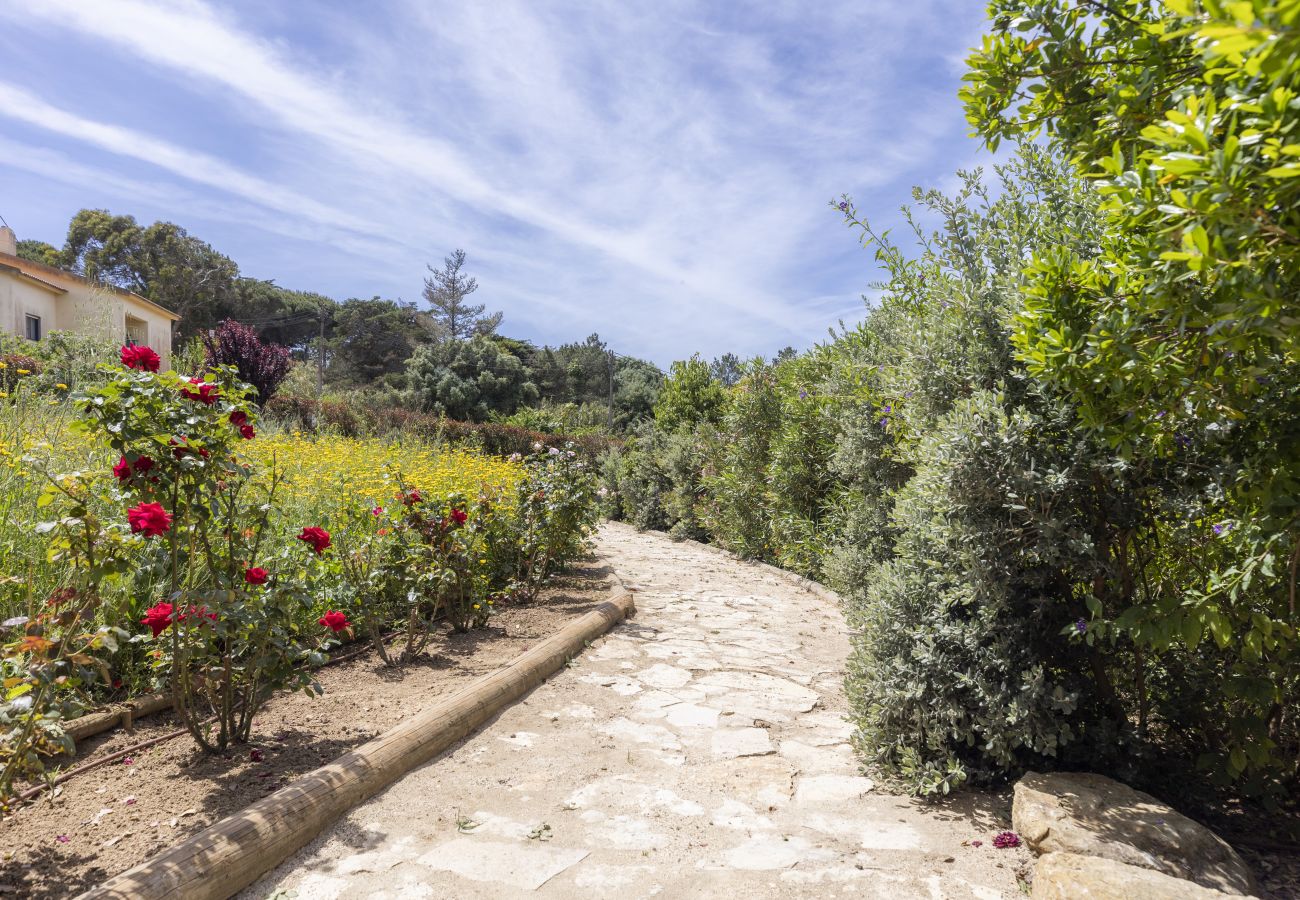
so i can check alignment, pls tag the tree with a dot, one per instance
(263, 366)
(446, 291)
(39, 252)
(469, 380)
(726, 369)
(373, 339)
(1184, 334)
(161, 262)
(690, 396)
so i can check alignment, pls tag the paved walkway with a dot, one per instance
(696, 751)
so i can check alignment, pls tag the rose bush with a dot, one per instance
(226, 632)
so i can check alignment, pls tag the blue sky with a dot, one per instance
(656, 172)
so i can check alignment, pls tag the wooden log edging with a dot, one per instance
(125, 715)
(233, 853)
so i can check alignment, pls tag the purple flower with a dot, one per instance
(803, 395)
(1081, 626)
(1222, 528)
(884, 422)
(887, 409)
(844, 206)
(1004, 839)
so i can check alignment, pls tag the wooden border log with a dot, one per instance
(231, 854)
(95, 723)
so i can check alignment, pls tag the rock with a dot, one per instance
(1069, 876)
(1093, 815)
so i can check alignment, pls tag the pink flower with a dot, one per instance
(140, 357)
(149, 519)
(122, 471)
(1005, 839)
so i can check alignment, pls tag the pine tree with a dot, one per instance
(447, 291)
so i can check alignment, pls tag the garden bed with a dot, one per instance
(109, 819)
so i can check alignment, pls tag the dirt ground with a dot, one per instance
(109, 819)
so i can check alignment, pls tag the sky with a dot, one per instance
(658, 173)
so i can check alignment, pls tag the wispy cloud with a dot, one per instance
(659, 174)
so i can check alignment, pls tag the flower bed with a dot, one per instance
(194, 555)
(171, 790)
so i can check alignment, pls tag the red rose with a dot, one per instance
(149, 519)
(459, 516)
(256, 575)
(318, 538)
(122, 471)
(197, 612)
(158, 618)
(207, 391)
(140, 357)
(412, 497)
(334, 620)
(238, 417)
(246, 432)
(142, 464)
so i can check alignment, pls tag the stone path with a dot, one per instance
(698, 750)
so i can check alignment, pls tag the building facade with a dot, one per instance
(36, 299)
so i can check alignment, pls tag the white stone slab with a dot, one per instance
(518, 865)
(730, 743)
(830, 790)
(688, 715)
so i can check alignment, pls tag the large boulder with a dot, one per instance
(1092, 815)
(1069, 876)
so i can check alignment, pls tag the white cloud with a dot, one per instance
(657, 173)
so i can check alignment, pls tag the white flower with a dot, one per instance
(603, 492)
(537, 445)
(554, 451)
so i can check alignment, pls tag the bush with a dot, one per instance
(261, 365)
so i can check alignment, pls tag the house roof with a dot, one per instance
(29, 278)
(41, 275)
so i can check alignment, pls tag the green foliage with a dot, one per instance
(1181, 336)
(161, 262)
(39, 251)
(689, 397)
(555, 514)
(221, 642)
(469, 380)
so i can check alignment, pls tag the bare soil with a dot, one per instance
(105, 821)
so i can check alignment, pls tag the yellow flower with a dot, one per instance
(24, 371)
(61, 386)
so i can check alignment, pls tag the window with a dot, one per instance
(33, 328)
(137, 331)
